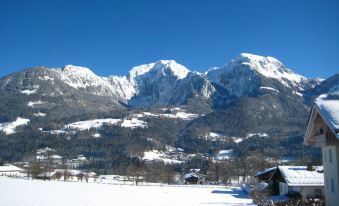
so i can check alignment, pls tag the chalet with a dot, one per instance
(75, 163)
(10, 170)
(307, 182)
(194, 177)
(323, 131)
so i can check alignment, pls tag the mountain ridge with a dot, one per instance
(153, 78)
(157, 105)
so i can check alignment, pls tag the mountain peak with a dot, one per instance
(71, 69)
(176, 69)
(267, 66)
(248, 57)
(161, 66)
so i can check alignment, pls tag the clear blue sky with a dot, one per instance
(112, 36)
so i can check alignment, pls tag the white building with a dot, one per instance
(323, 131)
(308, 182)
(10, 170)
(75, 163)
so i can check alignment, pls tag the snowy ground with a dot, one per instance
(20, 192)
(9, 127)
(158, 155)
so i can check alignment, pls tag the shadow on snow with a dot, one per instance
(237, 193)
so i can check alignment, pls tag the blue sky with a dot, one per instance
(112, 36)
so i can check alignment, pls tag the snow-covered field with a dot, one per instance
(160, 156)
(20, 192)
(9, 127)
(95, 123)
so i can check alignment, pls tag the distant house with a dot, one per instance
(69, 175)
(194, 177)
(47, 154)
(75, 163)
(292, 180)
(10, 170)
(323, 131)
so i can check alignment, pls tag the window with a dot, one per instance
(332, 186)
(326, 183)
(330, 155)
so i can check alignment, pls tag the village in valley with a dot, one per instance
(281, 184)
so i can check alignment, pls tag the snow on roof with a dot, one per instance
(329, 110)
(92, 174)
(10, 168)
(191, 174)
(224, 154)
(71, 172)
(268, 170)
(300, 176)
(44, 150)
(47, 174)
(56, 157)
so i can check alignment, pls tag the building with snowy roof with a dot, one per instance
(290, 180)
(10, 170)
(194, 176)
(323, 131)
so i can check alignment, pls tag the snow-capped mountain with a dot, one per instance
(162, 83)
(248, 72)
(251, 94)
(154, 83)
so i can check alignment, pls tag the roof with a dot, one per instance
(266, 171)
(300, 176)
(186, 176)
(327, 106)
(10, 168)
(47, 174)
(329, 111)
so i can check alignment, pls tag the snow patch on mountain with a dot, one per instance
(9, 127)
(96, 135)
(39, 114)
(215, 135)
(269, 88)
(34, 103)
(29, 92)
(133, 123)
(256, 134)
(88, 124)
(176, 113)
(237, 139)
(180, 115)
(155, 155)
